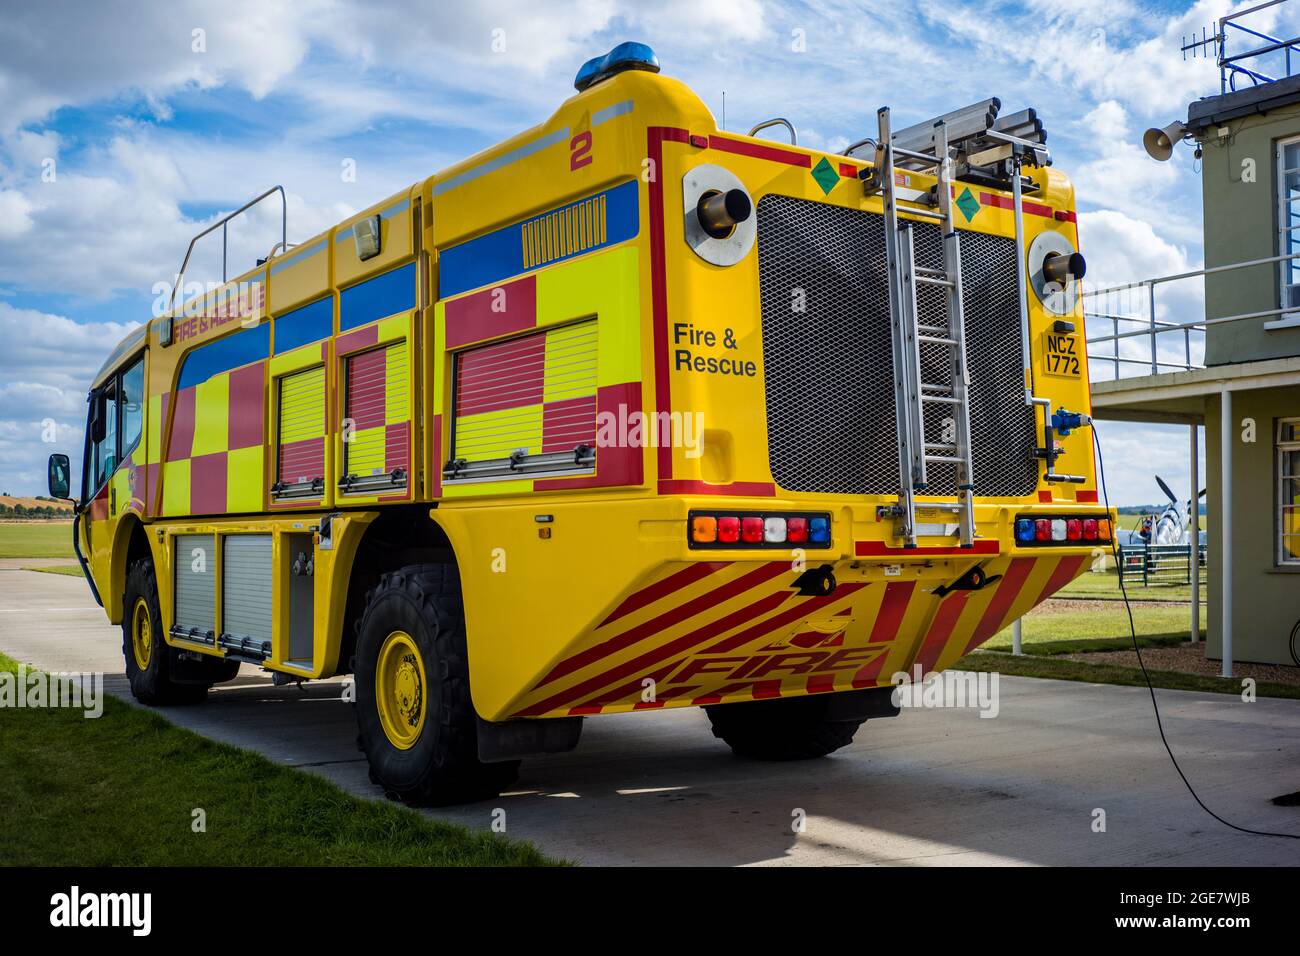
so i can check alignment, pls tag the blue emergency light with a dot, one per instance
(625, 56)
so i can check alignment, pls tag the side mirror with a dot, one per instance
(60, 476)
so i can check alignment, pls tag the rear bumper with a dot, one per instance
(613, 611)
(714, 632)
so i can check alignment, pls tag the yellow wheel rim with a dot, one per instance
(141, 634)
(401, 690)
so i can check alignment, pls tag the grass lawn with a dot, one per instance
(1061, 669)
(72, 570)
(1105, 586)
(1093, 625)
(36, 539)
(120, 790)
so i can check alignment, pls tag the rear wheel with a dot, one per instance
(417, 724)
(151, 665)
(788, 728)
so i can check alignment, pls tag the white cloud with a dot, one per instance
(1134, 453)
(1115, 50)
(1108, 120)
(1122, 251)
(46, 367)
(1121, 248)
(324, 80)
(15, 214)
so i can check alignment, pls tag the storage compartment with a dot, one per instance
(247, 613)
(526, 405)
(376, 451)
(301, 560)
(195, 576)
(300, 458)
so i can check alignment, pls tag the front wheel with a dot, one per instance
(417, 724)
(150, 663)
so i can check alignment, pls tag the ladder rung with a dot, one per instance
(947, 446)
(935, 388)
(949, 459)
(941, 399)
(916, 157)
(926, 213)
(930, 280)
(935, 340)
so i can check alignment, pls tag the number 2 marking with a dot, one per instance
(580, 150)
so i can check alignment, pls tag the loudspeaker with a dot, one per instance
(1159, 143)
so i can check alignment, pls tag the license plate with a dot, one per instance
(1061, 354)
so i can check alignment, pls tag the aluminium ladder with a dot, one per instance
(913, 395)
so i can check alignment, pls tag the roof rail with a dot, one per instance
(222, 223)
(777, 121)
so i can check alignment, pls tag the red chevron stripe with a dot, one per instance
(821, 683)
(892, 607)
(661, 589)
(1013, 581)
(661, 699)
(786, 617)
(630, 688)
(639, 665)
(888, 620)
(767, 689)
(1065, 571)
(945, 619)
(666, 620)
(716, 696)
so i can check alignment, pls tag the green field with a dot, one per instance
(1105, 586)
(1058, 668)
(1057, 621)
(36, 539)
(71, 570)
(122, 789)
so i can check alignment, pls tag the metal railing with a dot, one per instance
(1152, 329)
(1151, 564)
(1232, 67)
(222, 224)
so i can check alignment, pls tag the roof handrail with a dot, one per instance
(222, 223)
(777, 121)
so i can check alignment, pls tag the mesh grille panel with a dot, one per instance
(827, 354)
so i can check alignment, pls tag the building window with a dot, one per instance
(1288, 222)
(1288, 491)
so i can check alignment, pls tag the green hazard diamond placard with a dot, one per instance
(968, 204)
(825, 175)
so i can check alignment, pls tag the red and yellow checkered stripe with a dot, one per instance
(214, 462)
(537, 359)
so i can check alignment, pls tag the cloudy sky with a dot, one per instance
(125, 128)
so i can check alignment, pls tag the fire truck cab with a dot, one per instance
(626, 412)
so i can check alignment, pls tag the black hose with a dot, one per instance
(1101, 466)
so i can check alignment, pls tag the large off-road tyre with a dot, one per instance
(788, 728)
(416, 722)
(151, 664)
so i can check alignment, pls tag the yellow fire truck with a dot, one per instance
(627, 412)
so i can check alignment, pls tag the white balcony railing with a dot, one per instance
(1140, 339)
